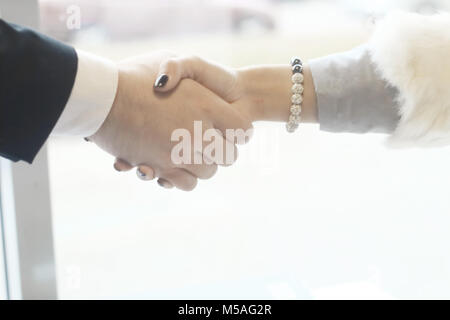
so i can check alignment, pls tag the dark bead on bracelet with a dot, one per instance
(298, 68)
(295, 61)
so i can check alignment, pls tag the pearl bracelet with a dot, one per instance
(297, 95)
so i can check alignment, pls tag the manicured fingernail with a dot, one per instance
(116, 167)
(141, 174)
(149, 174)
(86, 139)
(161, 81)
(164, 183)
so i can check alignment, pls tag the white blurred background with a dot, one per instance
(311, 215)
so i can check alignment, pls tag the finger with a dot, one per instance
(145, 173)
(217, 149)
(165, 184)
(212, 150)
(181, 179)
(216, 78)
(122, 165)
(234, 126)
(205, 170)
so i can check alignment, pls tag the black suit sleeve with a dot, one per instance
(36, 78)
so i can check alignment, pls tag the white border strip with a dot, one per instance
(11, 245)
(3, 275)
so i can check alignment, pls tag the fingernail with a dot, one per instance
(165, 184)
(86, 139)
(141, 174)
(161, 81)
(116, 167)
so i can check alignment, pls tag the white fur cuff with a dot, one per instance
(412, 53)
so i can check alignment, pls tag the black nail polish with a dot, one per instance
(164, 183)
(87, 140)
(161, 81)
(141, 174)
(161, 182)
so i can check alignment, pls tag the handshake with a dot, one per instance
(179, 118)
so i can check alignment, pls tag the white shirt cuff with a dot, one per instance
(92, 96)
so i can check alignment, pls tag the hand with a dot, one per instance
(139, 126)
(261, 93)
(258, 93)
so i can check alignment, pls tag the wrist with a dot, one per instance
(267, 90)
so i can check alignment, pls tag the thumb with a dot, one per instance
(219, 79)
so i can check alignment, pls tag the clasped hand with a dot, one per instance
(160, 97)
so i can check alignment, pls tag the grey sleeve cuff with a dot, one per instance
(351, 96)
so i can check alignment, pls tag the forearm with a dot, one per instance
(268, 91)
(342, 92)
(396, 84)
(36, 76)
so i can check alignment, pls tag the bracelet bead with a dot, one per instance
(296, 109)
(298, 68)
(291, 127)
(297, 78)
(296, 60)
(297, 88)
(296, 99)
(294, 118)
